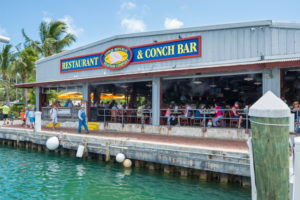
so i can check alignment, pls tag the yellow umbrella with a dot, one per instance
(70, 95)
(78, 95)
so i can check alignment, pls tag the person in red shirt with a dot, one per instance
(22, 115)
(235, 114)
(218, 116)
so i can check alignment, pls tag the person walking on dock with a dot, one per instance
(5, 111)
(53, 115)
(81, 120)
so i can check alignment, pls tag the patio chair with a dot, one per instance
(233, 121)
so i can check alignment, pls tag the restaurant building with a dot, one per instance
(218, 63)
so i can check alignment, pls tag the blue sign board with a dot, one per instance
(118, 57)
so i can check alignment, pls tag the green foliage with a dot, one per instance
(20, 66)
(53, 38)
(16, 110)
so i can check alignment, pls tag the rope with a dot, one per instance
(260, 123)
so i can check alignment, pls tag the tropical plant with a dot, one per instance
(6, 58)
(53, 38)
(24, 65)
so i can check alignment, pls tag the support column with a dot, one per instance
(37, 99)
(271, 81)
(85, 96)
(156, 101)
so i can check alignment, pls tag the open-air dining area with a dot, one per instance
(220, 101)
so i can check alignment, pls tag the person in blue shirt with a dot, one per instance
(82, 121)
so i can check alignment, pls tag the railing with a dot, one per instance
(66, 113)
(123, 116)
(206, 118)
(144, 116)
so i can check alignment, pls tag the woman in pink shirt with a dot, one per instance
(218, 116)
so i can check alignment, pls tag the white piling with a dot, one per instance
(38, 121)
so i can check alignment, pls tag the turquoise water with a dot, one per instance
(32, 175)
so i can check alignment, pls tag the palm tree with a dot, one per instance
(24, 65)
(5, 63)
(53, 38)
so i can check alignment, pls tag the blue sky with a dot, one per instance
(92, 20)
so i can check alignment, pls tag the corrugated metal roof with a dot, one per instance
(177, 31)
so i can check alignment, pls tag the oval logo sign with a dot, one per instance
(116, 57)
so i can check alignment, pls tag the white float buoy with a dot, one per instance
(120, 157)
(80, 151)
(52, 143)
(127, 163)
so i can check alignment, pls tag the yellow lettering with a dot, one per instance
(88, 62)
(84, 63)
(180, 49)
(159, 51)
(63, 65)
(76, 64)
(193, 47)
(186, 48)
(73, 62)
(152, 52)
(92, 61)
(147, 52)
(171, 50)
(96, 60)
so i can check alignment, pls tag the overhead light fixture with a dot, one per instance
(227, 88)
(213, 85)
(197, 82)
(234, 90)
(257, 83)
(242, 92)
(248, 78)
(149, 85)
(124, 86)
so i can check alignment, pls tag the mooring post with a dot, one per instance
(270, 143)
(38, 122)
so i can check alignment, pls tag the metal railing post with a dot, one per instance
(122, 118)
(104, 117)
(204, 123)
(247, 120)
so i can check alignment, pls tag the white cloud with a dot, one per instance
(72, 28)
(47, 20)
(128, 5)
(171, 23)
(133, 25)
(2, 31)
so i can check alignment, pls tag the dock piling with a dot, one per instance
(270, 143)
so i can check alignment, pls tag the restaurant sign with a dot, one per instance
(118, 57)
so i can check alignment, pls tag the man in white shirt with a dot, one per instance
(53, 115)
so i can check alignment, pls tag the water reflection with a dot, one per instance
(80, 170)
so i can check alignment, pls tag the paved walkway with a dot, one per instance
(169, 139)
